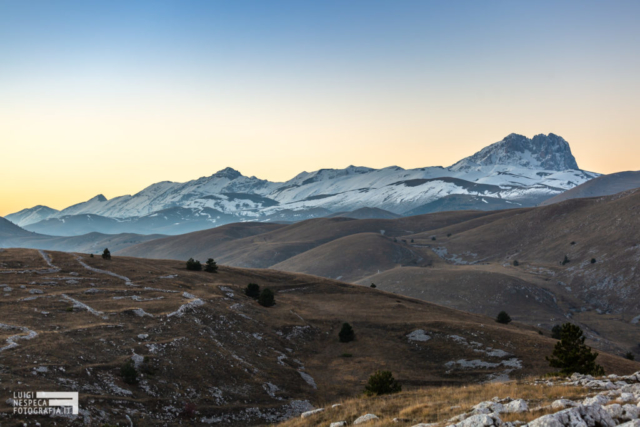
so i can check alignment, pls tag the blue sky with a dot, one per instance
(275, 87)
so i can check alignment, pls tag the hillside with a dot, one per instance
(10, 230)
(469, 265)
(279, 243)
(604, 185)
(196, 339)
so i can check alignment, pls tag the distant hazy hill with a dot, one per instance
(604, 185)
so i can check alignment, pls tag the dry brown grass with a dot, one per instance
(438, 404)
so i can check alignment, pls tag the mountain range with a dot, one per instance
(515, 172)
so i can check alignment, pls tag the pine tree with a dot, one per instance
(346, 333)
(503, 317)
(382, 382)
(106, 254)
(211, 266)
(194, 265)
(252, 290)
(571, 354)
(267, 298)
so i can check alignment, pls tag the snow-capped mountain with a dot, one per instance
(546, 152)
(516, 171)
(31, 215)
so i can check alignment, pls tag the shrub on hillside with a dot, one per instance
(630, 356)
(566, 260)
(252, 290)
(433, 238)
(106, 254)
(346, 334)
(210, 266)
(571, 354)
(373, 285)
(515, 263)
(267, 298)
(128, 372)
(382, 382)
(194, 265)
(593, 260)
(503, 317)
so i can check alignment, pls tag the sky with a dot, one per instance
(108, 97)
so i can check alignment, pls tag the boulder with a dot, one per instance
(516, 406)
(480, 420)
(312, 412)
(365, 419)
(563, 404)
(338, 424)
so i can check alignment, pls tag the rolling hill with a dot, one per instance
(604, 185)
(71, 322)
(464, 260)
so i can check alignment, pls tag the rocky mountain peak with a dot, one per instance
(548, 152)
(228, 173)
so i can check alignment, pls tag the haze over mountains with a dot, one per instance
(514, 172)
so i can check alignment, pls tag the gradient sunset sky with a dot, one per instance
(111, 96)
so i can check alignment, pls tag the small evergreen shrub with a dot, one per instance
(515, 263)
(106, 254)
(566, 260)
(194, 265)
(630, 356)
(346, 333)
(593, 260)
(433, 238)
(252, 290)
(210, 266)
(571, 354)
(128, 372)
(573, 243)
(411, 240)
(448, 234)
(91, 256)
(382, 382)
(267, 298)
(373, 285)
(503, 317)
(346, 355)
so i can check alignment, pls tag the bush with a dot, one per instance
(211, 266)
(91, 256)
(194, 265)
(411, 240)
(106, 254)
(433, 238)
(555, 332)
(128, 372)
(346, 355)
(566, 260)
(593, 260)
(448, 234)
(267, 298)
(382, 382)
(573, 243)
(373, 285)
(515, 263)
(252, 290)
(503, 317)
(630, 356)
(571, 354)
(346, 333)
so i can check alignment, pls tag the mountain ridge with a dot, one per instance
(516, 170)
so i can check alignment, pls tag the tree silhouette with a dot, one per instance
(571, 354)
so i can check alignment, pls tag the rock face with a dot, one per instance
(548, 152)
